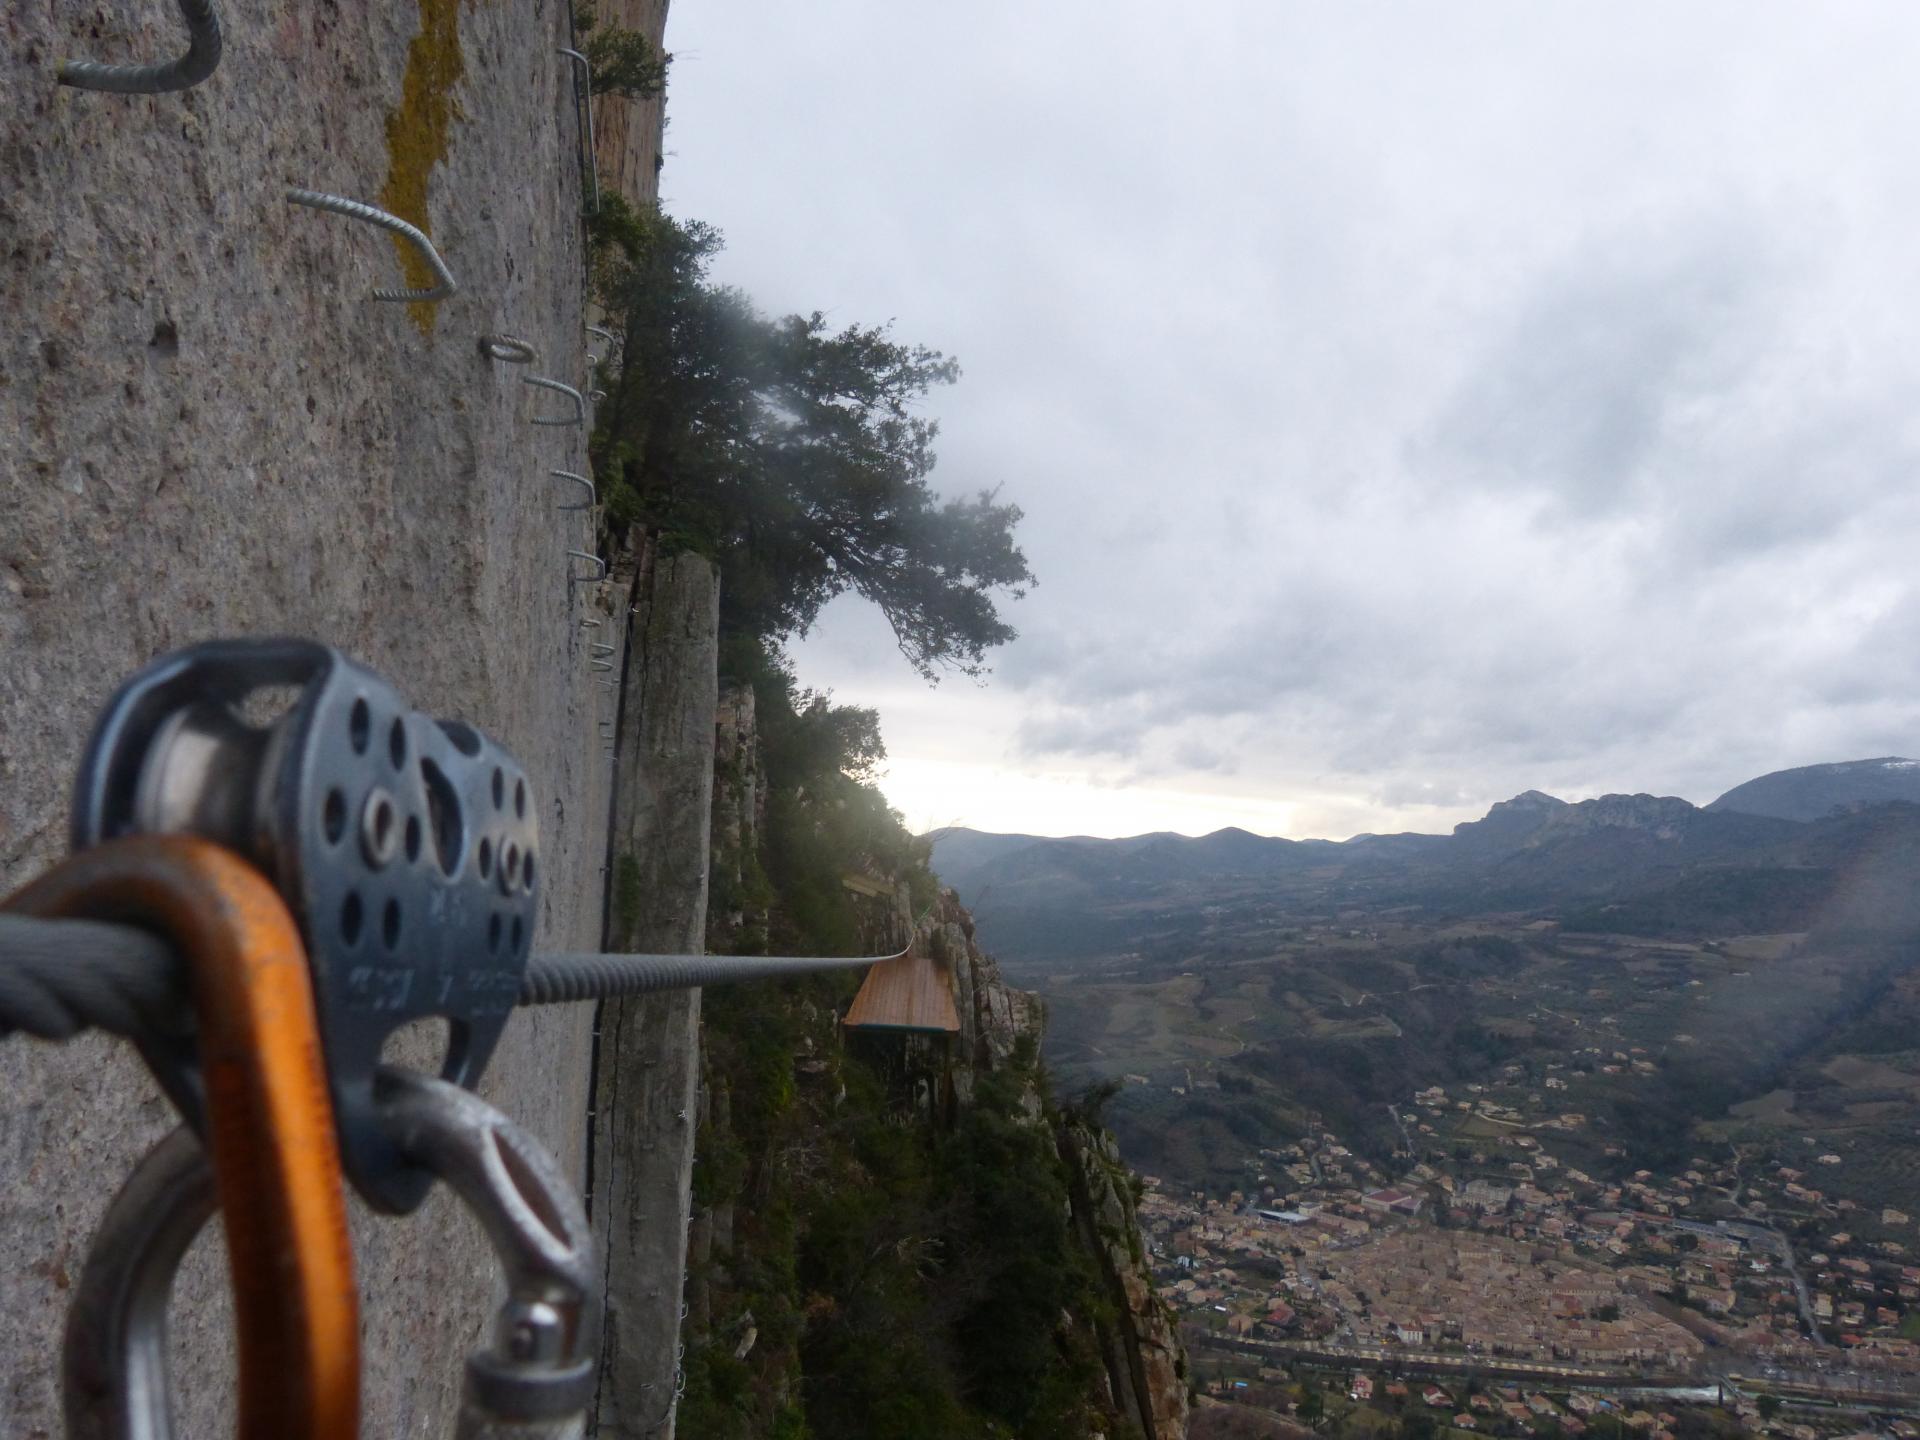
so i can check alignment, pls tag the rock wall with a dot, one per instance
(647, 1066)
(993, 1015)
(629, 134)
(208, 428)
(1145, 1361)
(736, 921)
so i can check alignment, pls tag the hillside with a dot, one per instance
(1243, 990)
(1811, 791)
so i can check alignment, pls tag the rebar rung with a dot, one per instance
(593, 497)
(579, 416)
(200, 61)
(354, 210)
(509, 348)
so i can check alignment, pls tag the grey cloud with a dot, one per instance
(1409, 405)
(1084, 730)
(1608, 351)
(1400, 793)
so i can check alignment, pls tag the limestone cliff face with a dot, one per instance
(1140, 1344)
(628, 134)
(736, 913)
(208, 428)
(1146, 1363)
(993, 1016)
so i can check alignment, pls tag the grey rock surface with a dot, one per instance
(207, 428)
(647, 1082)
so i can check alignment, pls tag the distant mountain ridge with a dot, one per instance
(1042, 895)
(1812, 791)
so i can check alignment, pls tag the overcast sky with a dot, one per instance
(1411, 403)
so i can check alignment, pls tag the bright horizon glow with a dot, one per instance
(1021, 803)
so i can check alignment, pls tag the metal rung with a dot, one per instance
(593, 497)
(200, 61)
(508, 348)
(579, 416)
(354, 210)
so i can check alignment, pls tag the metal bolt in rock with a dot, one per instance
(599, 574)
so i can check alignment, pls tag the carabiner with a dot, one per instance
(538, 1376)
(254, 1082)
(113, 1377)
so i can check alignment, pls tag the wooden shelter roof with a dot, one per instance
(911, 993)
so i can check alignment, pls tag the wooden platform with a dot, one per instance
(911, 993)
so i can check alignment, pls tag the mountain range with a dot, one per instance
(1773, 853)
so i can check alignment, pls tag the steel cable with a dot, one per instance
(555, 979)
(59, 977)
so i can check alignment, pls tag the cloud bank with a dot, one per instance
(1411, 405)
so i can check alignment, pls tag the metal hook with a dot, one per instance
(599, 665)
(596, 396)
(579, 416)
(354, 210)
(593, 497)
(591, 559)
(583, 98)
(587, 622)
(200, 61)
(600, 649)
(604, 334)
(508, 348)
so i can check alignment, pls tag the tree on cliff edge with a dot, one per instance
(793, 455)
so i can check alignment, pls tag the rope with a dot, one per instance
(59, 977)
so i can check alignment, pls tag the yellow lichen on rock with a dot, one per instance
(419, 130)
